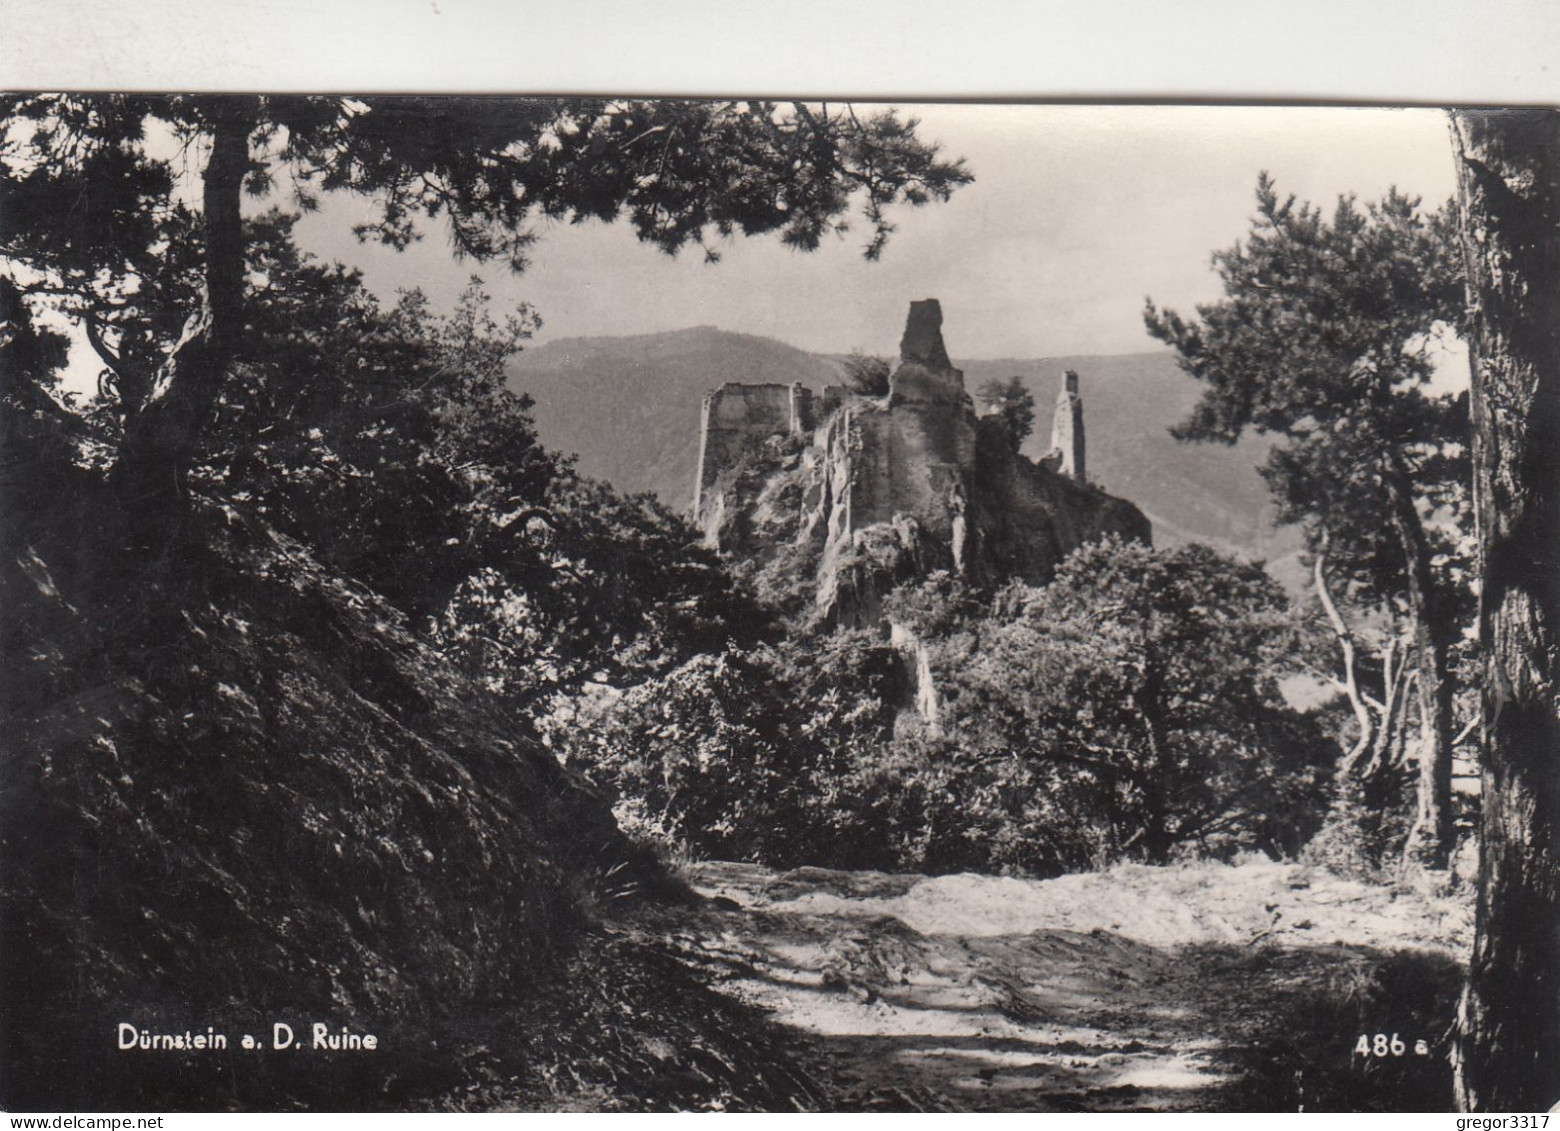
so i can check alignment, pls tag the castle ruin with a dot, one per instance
(865, 492)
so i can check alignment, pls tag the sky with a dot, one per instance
(1076, 215)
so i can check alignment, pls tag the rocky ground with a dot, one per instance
(1198, 987)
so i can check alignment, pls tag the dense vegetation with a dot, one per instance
(271, 773)
(1128, 710)
(1325, 339)
(1131, 709)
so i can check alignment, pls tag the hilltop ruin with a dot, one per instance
(843, 495)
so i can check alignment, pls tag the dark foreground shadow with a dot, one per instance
(1066, 1021)
(1334, 1029)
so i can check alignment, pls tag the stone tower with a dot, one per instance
(1067, 428)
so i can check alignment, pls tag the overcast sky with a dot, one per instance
(1076, 214)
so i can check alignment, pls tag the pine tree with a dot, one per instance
(1322, 340)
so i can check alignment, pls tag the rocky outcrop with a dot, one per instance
(882, 490)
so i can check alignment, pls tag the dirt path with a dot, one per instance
(1139, 989)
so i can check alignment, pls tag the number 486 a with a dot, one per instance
(1382, 1044)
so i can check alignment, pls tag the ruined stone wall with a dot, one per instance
(735, 421)
(802, 417)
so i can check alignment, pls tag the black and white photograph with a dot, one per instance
(577, 603)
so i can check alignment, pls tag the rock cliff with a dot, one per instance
(838, 497)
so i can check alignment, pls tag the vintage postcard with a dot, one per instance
(638, 604)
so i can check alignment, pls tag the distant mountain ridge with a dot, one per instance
(629, 408)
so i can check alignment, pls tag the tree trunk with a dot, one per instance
(162, 435)
(1158, 779)
(1508, 1045)
(1430, 838)
(1351, 687)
